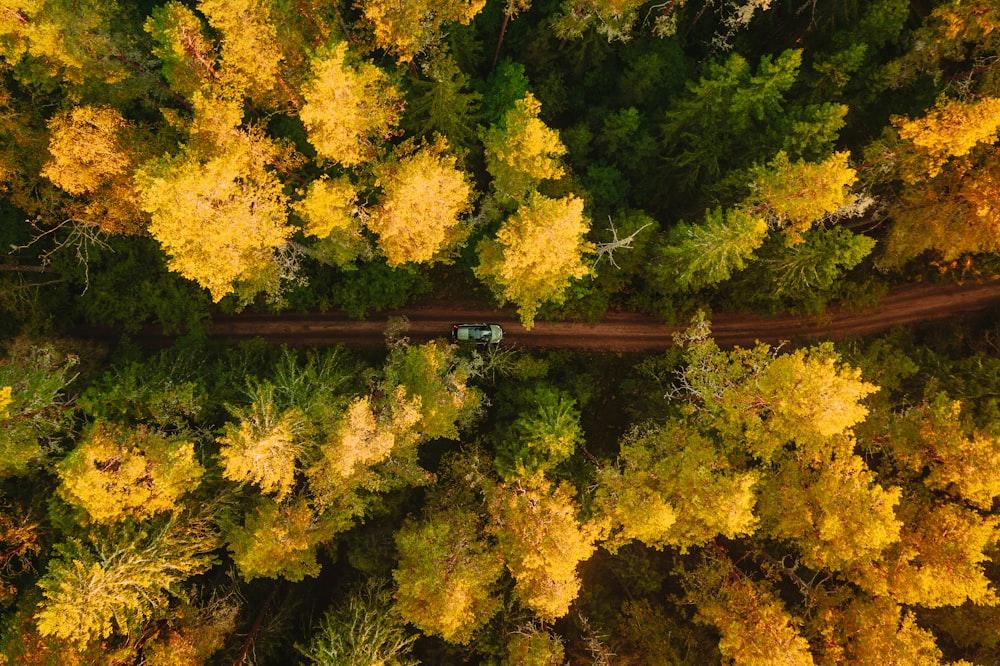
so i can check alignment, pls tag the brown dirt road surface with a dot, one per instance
(618, 332)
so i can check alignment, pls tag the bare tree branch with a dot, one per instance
(81, 237)
(608, 249)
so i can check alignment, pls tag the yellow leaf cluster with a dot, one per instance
(328, 205)
(955, 213)
(951, 129)
(218, 220)
(115, 474)
(250, 52)
(262, 449)
(875, 630)
(537, 251)
(93, 590)
(407, 28)
(836, 514)
(73, 621)
(84, 145)
(360, 440)
(938, 560)
(811, 397)
(542, 542)
(675, 489)
(5, 401)
(194, 635)
(279, 540)
(947, 457)
(348, 107)
(215, 122)
(425, 195)
(446, 574)
(523, 151)
(755, 627)
(800, 193)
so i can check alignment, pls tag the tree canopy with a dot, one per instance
(170, 496)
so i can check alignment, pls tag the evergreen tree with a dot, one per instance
(116, 581)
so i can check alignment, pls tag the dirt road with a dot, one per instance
(617, 332)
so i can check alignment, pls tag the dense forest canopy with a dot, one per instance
(213, 504)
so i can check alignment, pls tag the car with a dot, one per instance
(481, 334)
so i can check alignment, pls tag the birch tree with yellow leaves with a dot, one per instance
(251, 57)
(537, 252)
(754, 624)
(218, 217)
(332, 213)
(447, 573)
(407, 29)
(350, 107)
(115, 582)
(522, 151)
(425, 195)
(263, 446)
(118, 473)
(93, 154)
(542, 541)
(947, 162)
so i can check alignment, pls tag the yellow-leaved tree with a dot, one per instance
(85, 148)
(935, 441)
(860, 629)
(951, 129)
(537, 252)
(799, 193)
(938, 560)
(834, 510)
(366, 437)
(332, 213)
(328, 206)
(522, 151)
(754, 625)
(90, 159)
(542, 541)
(349, 108)
(263, 446)
(405, 29)
(118, 579)
(956, 212)
(673, 487)
(425, 196)
(279, 540)
(118, 473)
(447, 573)
(219, 217)
(250, 53)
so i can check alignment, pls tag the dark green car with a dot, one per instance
(481, 334)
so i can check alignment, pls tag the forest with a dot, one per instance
(812, 502)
